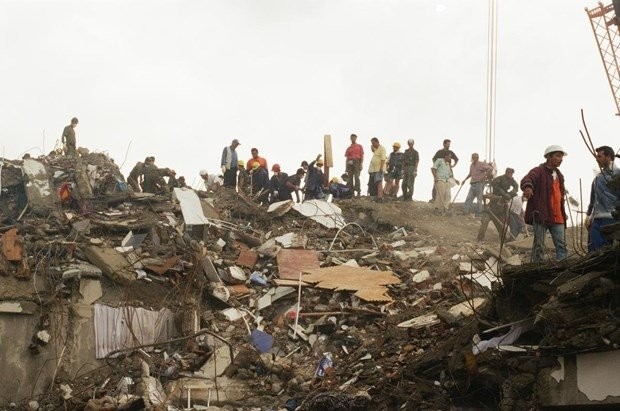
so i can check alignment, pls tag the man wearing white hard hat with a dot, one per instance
(212, 181)
(544, 189)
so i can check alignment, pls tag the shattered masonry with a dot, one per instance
(111, 299)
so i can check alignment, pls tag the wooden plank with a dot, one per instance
(327, 149)
(368, 284)
(292, 261)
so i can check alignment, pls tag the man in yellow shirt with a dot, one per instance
(376, 169)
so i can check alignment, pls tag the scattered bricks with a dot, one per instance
(247, 258)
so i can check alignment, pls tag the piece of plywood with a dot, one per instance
(368, 284)
(12, 246)
(292, 262)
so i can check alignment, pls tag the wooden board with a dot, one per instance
(327, 149)
(368, 284)
(292, 261)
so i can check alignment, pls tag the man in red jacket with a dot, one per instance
(543, 187)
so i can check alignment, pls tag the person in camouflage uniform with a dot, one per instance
(411, 158)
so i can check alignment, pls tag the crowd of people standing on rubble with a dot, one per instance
(496, 198)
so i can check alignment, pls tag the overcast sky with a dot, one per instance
(180, 79)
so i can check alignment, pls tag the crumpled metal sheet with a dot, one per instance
(127, 327)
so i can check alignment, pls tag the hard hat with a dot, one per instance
(240, 163)
(276, 168)
(335, 180)
(410, 141)
(319, 162)
(553, 149)
(397, 144)
(203, 172)
(255, 165)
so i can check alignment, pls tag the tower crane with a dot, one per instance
(604, 21)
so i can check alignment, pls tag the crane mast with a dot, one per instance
(607, 35)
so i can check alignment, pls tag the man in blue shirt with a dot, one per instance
(603, 198)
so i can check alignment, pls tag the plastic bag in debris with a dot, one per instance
(258, 278)
(325, 365)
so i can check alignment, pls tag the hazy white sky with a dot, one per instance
(180, 79)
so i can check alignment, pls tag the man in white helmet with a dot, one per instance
(544, 189)
(212, 181)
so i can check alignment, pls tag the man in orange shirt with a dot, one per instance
(256, 159)
(543, 187)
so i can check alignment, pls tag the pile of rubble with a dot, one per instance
(130, 300)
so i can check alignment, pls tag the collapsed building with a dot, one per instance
(111, 299)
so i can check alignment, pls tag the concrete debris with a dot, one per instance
(327, 214)
(237, 302)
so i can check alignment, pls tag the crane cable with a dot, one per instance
(491, 92)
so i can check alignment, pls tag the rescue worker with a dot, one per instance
(229, 164)
(505, 185)
(293, 184)
(354, 161)
(277, 183)
(394, 172)
(68, 138)
(260, 183)
(339, 190)
(544, 189)
(315, 181)
(243, 178)
(136, 174)
(411, 159)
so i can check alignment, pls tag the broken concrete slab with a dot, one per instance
(292, 240)
(327, 214)
(272, 295)
(420, 321)
(233, 314)
(218, 362)
(191, 206)
(466, 308)
(234, 275)
(81, 269)
(269, 248)
(42, 198)
(90, 290)
(18, 307)
(112, 264)
(210, 271)
(133, 240)
(224, 390)
(421, 276)
(280, 208)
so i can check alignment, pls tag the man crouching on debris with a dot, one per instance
(544, 189)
